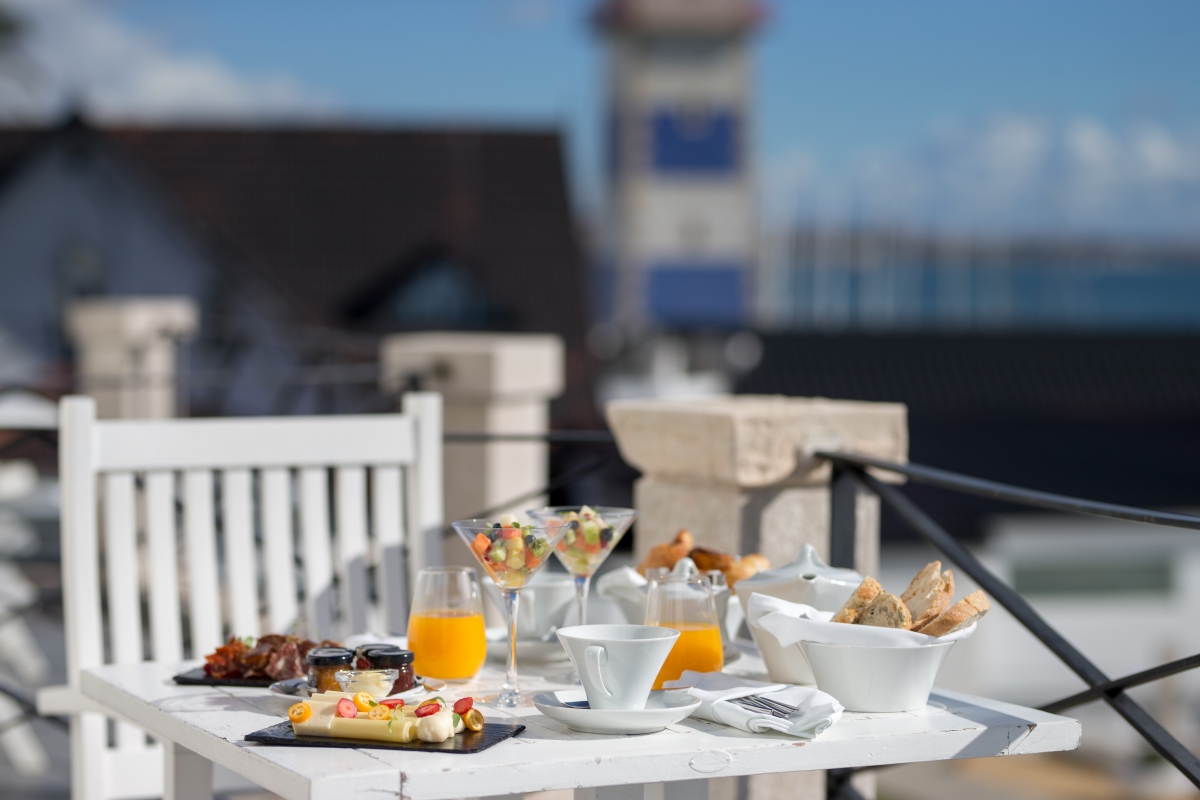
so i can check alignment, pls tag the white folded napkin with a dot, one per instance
(796, 622)
(817, 710)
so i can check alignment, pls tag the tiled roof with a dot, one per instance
(330, 216)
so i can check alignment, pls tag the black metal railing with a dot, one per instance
(851, 475)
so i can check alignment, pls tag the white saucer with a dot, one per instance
(662, 709)
(529, 652)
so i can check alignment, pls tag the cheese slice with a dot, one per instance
(379, 730)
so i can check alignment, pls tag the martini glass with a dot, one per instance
(511, 553)
(582, 550)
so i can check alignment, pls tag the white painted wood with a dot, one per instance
(256, 442)
(80, 554)
(121, 571)
(649, 791)
(387, 513)
(278, 549)
(186, 775)
(319, 601)
(222, 584)
(549, 756)
(204, 606)
(241, 565)
(166, 635)
(350, 488)
(424, 485)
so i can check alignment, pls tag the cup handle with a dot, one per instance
(593, 657)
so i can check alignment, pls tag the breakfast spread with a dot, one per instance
(924, 607)
(706, 558)
(510, 552)
(361, 716)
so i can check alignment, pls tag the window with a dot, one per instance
(441, 294)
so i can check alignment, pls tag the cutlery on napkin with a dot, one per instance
(815, 710)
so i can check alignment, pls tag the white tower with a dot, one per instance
(681, 232)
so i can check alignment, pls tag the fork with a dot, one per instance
(772, 707)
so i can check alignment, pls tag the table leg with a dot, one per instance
(186, 776)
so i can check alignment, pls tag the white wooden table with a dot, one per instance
(204, 725)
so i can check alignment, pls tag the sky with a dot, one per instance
(1014, 116)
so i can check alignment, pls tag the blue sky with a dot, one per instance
(855, 100)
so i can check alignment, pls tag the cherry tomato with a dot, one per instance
(463, 705)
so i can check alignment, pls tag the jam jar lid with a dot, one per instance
(329, 656)
(384, 657)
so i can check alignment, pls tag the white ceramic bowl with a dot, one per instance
(876, 679)
(784, 664)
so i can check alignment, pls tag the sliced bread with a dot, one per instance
(886, 611)
(867, 591)
(928, 595)
(963, 613)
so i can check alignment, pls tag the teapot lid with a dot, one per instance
(806, 565)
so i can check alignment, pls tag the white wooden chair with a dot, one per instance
(245, 526)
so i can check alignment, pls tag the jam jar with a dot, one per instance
(394, 658)
(323, 665)
(360, 653)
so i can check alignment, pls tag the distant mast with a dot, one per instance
(681, 229)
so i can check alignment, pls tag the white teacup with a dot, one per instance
(617, 664)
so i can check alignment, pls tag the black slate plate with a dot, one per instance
(197, 677)
(465, 742)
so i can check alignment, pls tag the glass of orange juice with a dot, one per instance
(445, 626)
(685, 603)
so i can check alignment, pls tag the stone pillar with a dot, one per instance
(490, 383)
(125, 353)
(739, 473)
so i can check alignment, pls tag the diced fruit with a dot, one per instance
(299, 712)
(379, 712)
(509, 521)
(515, 560)
(531, 560)
(346, 708)
(463, 705)
(606, 535)
(428, 710)
(364, 701)
(393, 703)
(473, 720)
(481, 544)
(510, 533)
(498, 554)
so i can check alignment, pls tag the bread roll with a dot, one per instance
(963, 613)
(867, 591)
(886, 611)
(666, 555)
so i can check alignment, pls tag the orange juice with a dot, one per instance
(697, 648)
(447, 644)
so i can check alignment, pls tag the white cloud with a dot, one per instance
(73, 52)
(1020, 174)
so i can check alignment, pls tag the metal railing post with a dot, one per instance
(843, 518)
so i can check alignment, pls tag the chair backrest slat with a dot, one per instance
(350, 500)
(278, 550)
(122, 583)
(387, 511)
(204, 604)
(162, 566)
(319, 595)
(241, 564)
